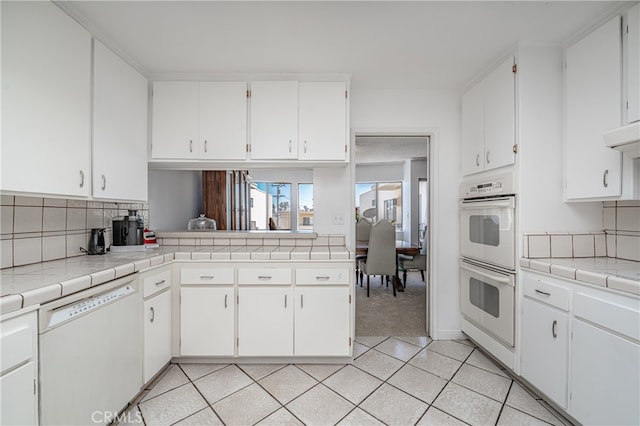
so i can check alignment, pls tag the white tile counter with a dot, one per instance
(39, 283)
(617, 274)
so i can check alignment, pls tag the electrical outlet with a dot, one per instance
(337, 219)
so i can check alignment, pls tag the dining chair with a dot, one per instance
(381, 254)
(363, 229)
(417, 262)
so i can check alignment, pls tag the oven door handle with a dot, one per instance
(494, 277)
(477, 205)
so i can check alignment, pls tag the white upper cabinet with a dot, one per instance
(322, 120)
(120, 99)
(631, 40)
(46, 101)
(223, 120)
(274, 120)
(199, 120)
(488, 121)
(593, 105)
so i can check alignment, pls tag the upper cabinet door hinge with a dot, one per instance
(514, 68)
(515, 148)
(349, 341)
(345, 147)
(248, 93)
(349, 299)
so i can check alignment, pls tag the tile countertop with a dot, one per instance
(28, 285)
(618, 274)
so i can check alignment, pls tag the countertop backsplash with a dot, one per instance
(37, 229)
(620, 237)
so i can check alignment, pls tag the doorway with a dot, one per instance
(400, 162)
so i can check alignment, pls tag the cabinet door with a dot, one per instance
(632, 53)
(274, 120)
(120, 98)
(265, 321)
(544, 349)
(223, 120)
(473, 130)
(207, 321)
(46, 100)
(157, 334)
(19, 398)
(175, 120)
(593, 100)
(322, 121)
(604, 377)
(499, 116)
(322, 321)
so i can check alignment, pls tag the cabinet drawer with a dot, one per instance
(207, 276)
(156, 283)
(617, 318)
(546, 292)
(264, 276)
(322, 276)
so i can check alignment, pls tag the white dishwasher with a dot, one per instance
(90, 354)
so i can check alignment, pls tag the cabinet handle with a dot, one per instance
(264, 277)
(553, 328)
(225, 300)
(205, 146)
(289, 146)
(207, 277)
(81, 178)
(104, 182)
(322, 277)
(161, 282)
(605, 180)
(543, 292)
(478, 160)
(487, 157)
(191, 145)
(301, 301)
(285, 301)
(305, 147)
(153, 314)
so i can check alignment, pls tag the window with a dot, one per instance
(380, 200)
(270, 200)
(305, 206)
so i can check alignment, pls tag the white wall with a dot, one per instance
(439, 111)
(175, 197)
(418, 169)
(333, 201)
(541, 154)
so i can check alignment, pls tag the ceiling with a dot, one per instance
(383, 45)
(390, 149)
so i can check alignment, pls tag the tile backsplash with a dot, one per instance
(36, 229)
(620, 237)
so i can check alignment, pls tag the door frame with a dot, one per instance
(431, 133)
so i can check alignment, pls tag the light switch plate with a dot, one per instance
(337, 219)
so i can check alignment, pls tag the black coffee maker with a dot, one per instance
(128, 230)
(96, 242)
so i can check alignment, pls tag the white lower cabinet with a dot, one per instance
(322, 321)
(579, 347)
(265, 321)
(545, 342)
(207, 319)
(605, 363)
(156, 308)
(157, 334)
(19, 365)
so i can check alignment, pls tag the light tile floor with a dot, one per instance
(393, 381)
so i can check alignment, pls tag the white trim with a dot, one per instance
(433, 221)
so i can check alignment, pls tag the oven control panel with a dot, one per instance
(491, 186)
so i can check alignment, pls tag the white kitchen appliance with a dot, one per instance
(488, 261)
(90, 354)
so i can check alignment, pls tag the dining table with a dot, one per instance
(402, 247)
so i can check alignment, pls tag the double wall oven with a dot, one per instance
(487, 264)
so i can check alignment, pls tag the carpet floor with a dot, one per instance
(381, 314)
